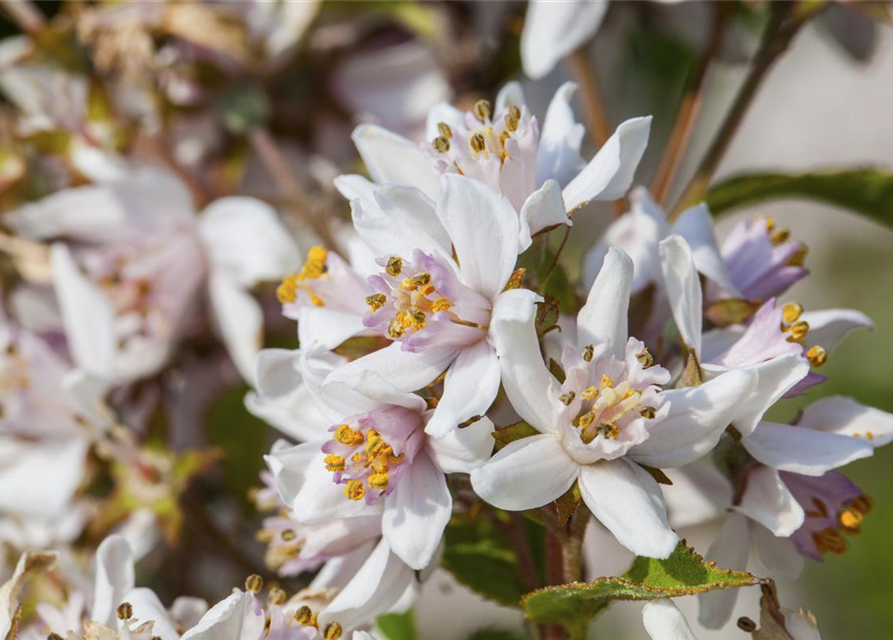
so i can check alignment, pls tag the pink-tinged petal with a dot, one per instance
(222, 622)
(696, 226)
(769, 502)
(246, 241)
(239, 319)
(778, 556)
(610, 173)
(729, 551)
(114, 578)
(697, 419)
(463, 450)
(846, 417)
(543, 208)
(406, 370)
(470, 387)
(664, 621)
(392, 159)
(526, 474)
(558, 156)
(603, 319)
(801, 450)
(524, 375)
(484, 227)
(683, 289)
(553, 30)
(829, 326)
(417, 512)
(627, 500)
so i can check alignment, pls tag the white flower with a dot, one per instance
(606, 418)
(664, 621)
(552, 30)
(137, 257)
(543, 176)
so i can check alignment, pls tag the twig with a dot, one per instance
(554, 575)
(779, 33)
(688, 109)
(572, 547)
(558, 252)
(25, 14)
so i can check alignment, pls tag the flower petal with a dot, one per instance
(543, 208)
(603, 319)
(222, 622)
(664, 621)
(627, 500)
(729, 551)
(463, 450)
(610, 173)
(89, 213)
(39, 478)
(696, 226)
(392, 159)
(471, 385)
(147, 606)
(699, 494)
(829, 326)
(769, 502)
(524, 375)
(801, 450)
(558, 156)
(240, 321)
(553, 30)
(327, 327)
(526, 474)
(406, 370)
(114, 578)
(697, 419)
(449, 115)
(846, 417)
(510, 94)
(778, 556)
(417, 512)
(484, 227)
(683, 289)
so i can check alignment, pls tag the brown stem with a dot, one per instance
(572, 548)
(269, 153)
(786, 19)
(25, 14)
(688, 109)
(558, 252)
(584, 72)
(554, 575)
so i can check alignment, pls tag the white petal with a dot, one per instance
(240, 321)
(376, 388)
(114, 578)
(246, 241)
(778, 556)
(768, 501)
(543, 208)
(603, 319)
(222, 622)
(406, 370)
(392, 159)
(683, 289)
(553, 30)
(699, 494)
(89, 213)
(558, 156)
(147, 606)
(829, 326)
(697, 418)
(696, 226)
(610, 173)
(484, 229)
(846, 417)
(449, 115)
(728, 551)
(524, 375)
(801, 450)
(627, 500)
(39, 478)
(470, 387)
(463, 450)
(801, 625)
(664, 621)
(87, 314)
(288, 466)
(417, 512)
(526, 474)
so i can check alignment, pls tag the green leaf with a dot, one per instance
(396, 626)
(683, 573)
(494, 634)
(865, 191)
(567, 504)
(512, 432)
(724, 313)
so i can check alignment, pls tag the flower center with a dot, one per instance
(314, 269)
(603, 406)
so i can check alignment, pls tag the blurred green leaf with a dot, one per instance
(865, 191)
(511, 432)
(683, 573)
(396, 626)
(494, 634)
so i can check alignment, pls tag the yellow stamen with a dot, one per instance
(394, 266)
(276, 596)
(441, 304)
(441, 144)
(345, 435)
(378, 481)
(791, 312)
(817, 356)
(477, 143)
(588, 352)
(334, 462)
(124, 611)
(850, 520)
(513, 118)
(863, 504)
(482, 110)
(799, 330)
(288, 535)
(304, 616)
(781, 236)
(396, 328)
(589, 393)
(770, 224)
(254, 583)
(607, 381)
(355, 490)
(567, 398)
(799, 257)
(444, 129)
(645, 358)
(332, 632)
(648, 413)
(376, 301)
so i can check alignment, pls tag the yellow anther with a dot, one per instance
(276, 596)
(288, 535)
(441, 144)
(395, 328)
(829, 540)
(799, 257)
(482, 110)
(415, 318)
(421, 279)
(648, 413)
(304, 616)
(850, 520)
(315, 265)
(791, 312)
(332, 632)
(645, 358)
(345, 435)
(354, 490)
(799, 330)
(376, 301)
(441, 304)
(477, 142)
(265, 536)
(607, 381)
(863, 504)
(584, 420)
(334, 462)
(513, 118)
(254, 583)
(780, 236)
(588, 352)
(567, 398)
(817, 356)
(444, 129)
(287, 291)
(124, 611)
(589, 393)
(770, 224)
(394, 266)
(378, 481)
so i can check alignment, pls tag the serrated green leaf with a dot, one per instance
(866, 191)
(396, 626)
(683, 573)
